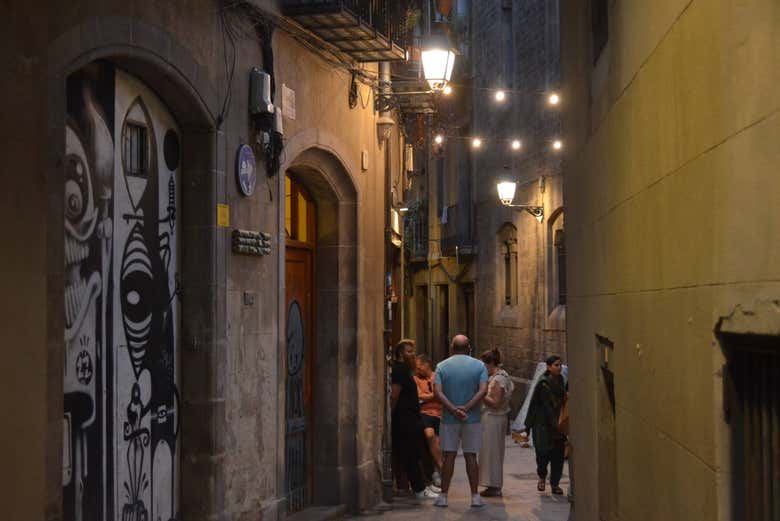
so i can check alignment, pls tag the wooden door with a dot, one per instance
(299, 283)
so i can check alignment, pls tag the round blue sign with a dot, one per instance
(245, 170)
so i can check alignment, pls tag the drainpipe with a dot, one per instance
(385, 125)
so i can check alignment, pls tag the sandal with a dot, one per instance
(540, 485)
(558, 491)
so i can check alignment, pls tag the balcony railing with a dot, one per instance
(366, 30)
(456, 237)
(416, 231)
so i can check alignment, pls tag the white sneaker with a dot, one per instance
(476, 501)
(434, 488)
(436, 478)
(426, 493)
(441, 501)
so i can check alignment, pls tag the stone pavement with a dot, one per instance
(521, 501)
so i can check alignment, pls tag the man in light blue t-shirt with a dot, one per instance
(461, 383)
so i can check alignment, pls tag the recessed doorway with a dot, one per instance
(300, 227)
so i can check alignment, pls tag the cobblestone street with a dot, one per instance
(521, 501)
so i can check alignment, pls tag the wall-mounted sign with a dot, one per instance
(251, 243)
(223, 215)
(288, 102)
(245, 169)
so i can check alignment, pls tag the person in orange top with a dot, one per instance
(430, 409)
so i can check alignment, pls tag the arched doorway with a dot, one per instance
(300, 230)
(121, 417)
(321, 184)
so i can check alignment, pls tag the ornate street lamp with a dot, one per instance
(438, 60)
(506, 193)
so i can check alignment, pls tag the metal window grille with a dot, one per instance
(753, 411)
(560, 256)
(136, 150)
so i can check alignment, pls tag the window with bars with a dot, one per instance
(507, 250)
(752, 387)
(136, 152)
(560, 265)
(510, 272)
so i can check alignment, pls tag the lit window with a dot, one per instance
(298, 212)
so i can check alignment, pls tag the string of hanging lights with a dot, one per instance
(438, 61)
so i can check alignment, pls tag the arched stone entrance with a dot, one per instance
(332, 469)
(159, 99)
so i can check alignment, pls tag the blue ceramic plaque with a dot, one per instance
(245, 170)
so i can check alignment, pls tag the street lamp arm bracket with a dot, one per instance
(536, 211)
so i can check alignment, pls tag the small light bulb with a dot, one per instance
(476, 142)
(554, 99)
(557, 144)
(500, 95)
(447, 90)
(516, 144)
(439, 139)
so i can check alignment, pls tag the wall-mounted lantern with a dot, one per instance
(438, 60)
(506, 193)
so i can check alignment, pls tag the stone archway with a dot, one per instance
(152, 60)
(334, 465)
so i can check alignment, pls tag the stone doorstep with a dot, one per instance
(327, 513)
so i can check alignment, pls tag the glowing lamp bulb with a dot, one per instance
(516, 144)
(447, 90)
(500, 95)
(506, 191)
(557, 144)
(476, 142)
(439, 139)
(553, 99)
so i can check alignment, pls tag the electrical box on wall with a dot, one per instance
(260, 92)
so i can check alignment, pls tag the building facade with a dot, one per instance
(198, 284)
(480, 268)
(671, 195)
(520, 279)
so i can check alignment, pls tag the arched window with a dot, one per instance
(557, 260)
(507, 250)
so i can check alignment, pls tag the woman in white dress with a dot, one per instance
(495, 408)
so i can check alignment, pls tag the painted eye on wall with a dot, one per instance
(75, 194)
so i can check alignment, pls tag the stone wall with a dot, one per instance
(671, 194)
(516, 48)
(231, 353)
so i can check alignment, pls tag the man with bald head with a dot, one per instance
(461, 383)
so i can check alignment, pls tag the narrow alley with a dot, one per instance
(281, 260)
(520, 502)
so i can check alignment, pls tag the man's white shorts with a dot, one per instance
(466, 435)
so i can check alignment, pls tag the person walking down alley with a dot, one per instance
(542, 421)
(495, 411)
(460, 385)
(430, 409)
(407, 430)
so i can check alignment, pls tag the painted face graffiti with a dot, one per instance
(121, 312)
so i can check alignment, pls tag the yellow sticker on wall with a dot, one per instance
(223, 215)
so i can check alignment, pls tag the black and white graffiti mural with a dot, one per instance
(121, 403)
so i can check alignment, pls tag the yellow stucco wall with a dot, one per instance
(672, 196)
